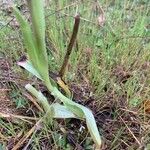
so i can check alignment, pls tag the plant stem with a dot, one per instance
(70, 46)
(40, 97)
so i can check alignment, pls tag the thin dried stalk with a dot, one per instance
(70, 46)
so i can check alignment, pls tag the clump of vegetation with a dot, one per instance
(37, 64)
(108, 72)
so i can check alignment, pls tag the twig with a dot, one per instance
(100, 8)
(29, 142)
(16, 116)
(2, 137)
(70, 46)
(25, 137)
(131, 132)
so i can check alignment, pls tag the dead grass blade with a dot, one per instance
(17, 116)
(2, 137)
(131, 132)
(26, 136)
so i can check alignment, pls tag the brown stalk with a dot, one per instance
(70, 46)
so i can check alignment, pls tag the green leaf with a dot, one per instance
(56, 110)
(81, 112)
(38, 24)
(27, 37)
(40, 97)
(92, 127)
(86, 113)
(61, 111)
(69, 107)
(35, 42)
(28, 66)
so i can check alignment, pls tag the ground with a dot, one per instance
(109, 72)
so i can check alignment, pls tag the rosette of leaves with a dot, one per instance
(37, 64)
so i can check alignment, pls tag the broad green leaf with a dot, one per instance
(26, 64)
(27, 37)
(67, 102)
(58, 111)
(38, 26)
(35, 43)
(61, 111)
(81, 112)
(91, 124)
(38, 23)
(75, 109)
(29, 67)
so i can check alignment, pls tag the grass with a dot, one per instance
(109, 66)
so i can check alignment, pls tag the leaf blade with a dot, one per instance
(61, 111)
(27, 36)
(81, 112)
(38, 23)
(29, 67)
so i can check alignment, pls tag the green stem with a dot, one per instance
(40, 97)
